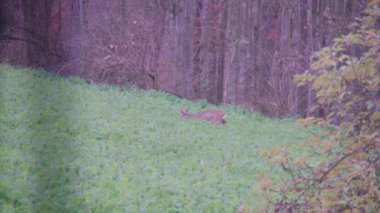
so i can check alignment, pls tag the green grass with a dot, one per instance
(66, 146)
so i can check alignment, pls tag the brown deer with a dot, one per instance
(214, 116)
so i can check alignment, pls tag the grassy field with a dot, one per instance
(66, 146)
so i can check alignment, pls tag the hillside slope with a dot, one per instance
(69, 146)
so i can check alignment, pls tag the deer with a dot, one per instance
(214, 116)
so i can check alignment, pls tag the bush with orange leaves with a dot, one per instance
(345, 78)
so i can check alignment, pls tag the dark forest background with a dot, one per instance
(243, 52)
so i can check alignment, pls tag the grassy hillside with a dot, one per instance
(66, 146)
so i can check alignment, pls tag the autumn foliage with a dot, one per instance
(346, 177)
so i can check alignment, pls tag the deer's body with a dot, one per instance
(214, 115)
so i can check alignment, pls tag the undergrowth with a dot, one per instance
(66, 146)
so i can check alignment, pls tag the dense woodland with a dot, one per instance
(242, 52)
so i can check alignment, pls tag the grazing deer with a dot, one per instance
(214, 116)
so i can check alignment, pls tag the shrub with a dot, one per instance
(345, 78)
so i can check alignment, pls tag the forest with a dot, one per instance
(243, 52)
(293, 84)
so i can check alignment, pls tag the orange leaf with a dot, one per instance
(265, 183)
